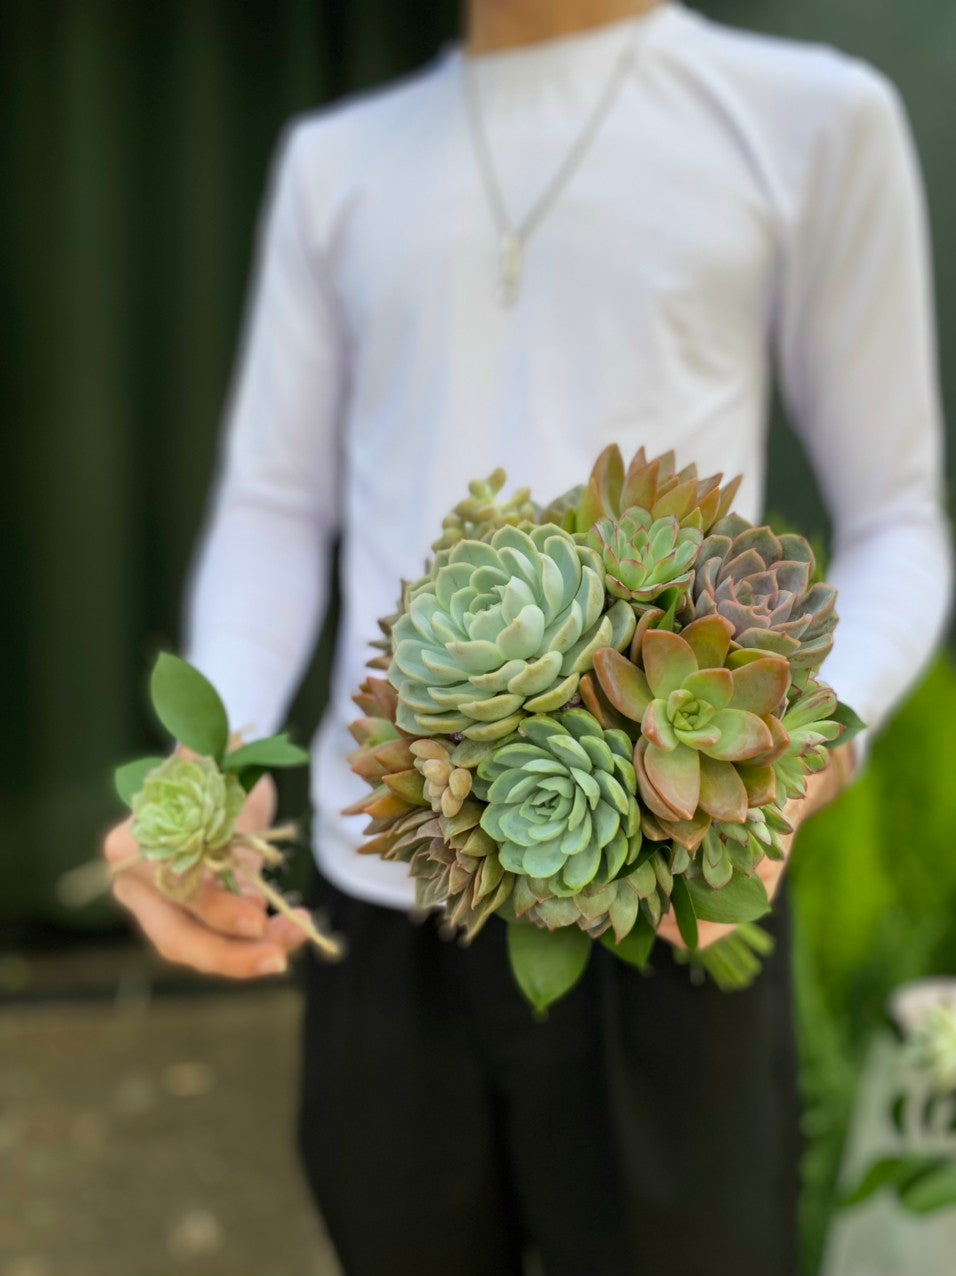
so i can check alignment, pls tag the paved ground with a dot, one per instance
(146, 1125)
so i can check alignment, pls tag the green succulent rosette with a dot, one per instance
(186, 808)
(812, 723)
(702, 724)
(645, 557)
(561, 802)
(501, 628)
(728, 848)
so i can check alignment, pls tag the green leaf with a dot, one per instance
(546, 964)
(188, 706)
(684, 913)
(635, 947)
(883, 1173)
(932, 1187)
(250, 776)
(897, 1112)
(743, 899)
(128, 779)
(667, 602)
(851, 722)
(270, 751)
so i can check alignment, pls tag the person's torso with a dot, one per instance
(646, 300)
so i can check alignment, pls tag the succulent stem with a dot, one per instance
(327, 946)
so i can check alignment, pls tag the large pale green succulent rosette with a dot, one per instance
(186, 807)
(561, 802)
(499, 629)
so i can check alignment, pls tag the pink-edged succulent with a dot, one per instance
(645, 557)
(701, 724)
(763, 584)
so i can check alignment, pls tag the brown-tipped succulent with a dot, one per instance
(762, 584)
(397, 806)
(701, 717)
(456, 867)
(656, 486)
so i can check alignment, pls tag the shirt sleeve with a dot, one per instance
(857, 358)
(257, 587)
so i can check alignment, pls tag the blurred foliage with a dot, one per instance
(874, 897)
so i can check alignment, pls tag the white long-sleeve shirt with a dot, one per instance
(749, 205)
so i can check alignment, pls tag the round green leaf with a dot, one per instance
(743, 899)
(250, 776)
(271, 751)
(546, 964)
(932, 1188)
(684, 912)
(635, 947)
(188, 706)
(851, 723)
(879, 1175)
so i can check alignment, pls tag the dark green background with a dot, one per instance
(135, 144)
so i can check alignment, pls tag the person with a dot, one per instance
(588, 221)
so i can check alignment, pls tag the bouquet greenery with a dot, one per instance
(594, 711)
(921, 1170)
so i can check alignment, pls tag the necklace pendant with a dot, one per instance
(509, 266)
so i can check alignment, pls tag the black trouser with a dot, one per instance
(648, 1126)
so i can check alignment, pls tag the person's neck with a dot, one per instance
(494, 25)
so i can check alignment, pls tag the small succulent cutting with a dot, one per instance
(185, 806)
(595, 711)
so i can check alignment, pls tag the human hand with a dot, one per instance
(216, 932)
(822, 788)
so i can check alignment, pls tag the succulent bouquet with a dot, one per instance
(587, 713)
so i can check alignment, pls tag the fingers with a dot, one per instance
(259, 808)
(180, 937)
(707, 932)
(243, 916)
(280, 930)
(119, 843)
(771, 874)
